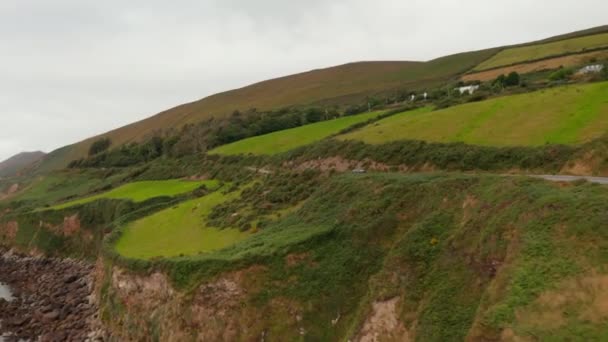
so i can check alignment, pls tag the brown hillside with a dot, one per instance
(14, 164)
(336, 85)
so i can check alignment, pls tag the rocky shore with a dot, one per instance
(52, 300)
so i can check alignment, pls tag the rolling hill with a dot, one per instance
(425, 218)
(14, 164)
(336, 85)
(339, 85)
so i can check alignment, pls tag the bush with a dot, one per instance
(561, 74)
(478, 96)
(314, 115)
(444, 156)
(512, 80)
(354, 109)
(99, 146)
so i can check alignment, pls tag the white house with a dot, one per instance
(468, 89)
(595, 68)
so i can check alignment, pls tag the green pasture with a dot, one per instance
(564, 115)
(283, 141)
(178, 231)
(141, 191)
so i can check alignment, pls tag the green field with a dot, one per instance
(57, 186)
(534, 52)
(141, 191)
(53, 187)
(565, 115)
(180, 230)
(289, 139)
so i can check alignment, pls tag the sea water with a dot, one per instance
(5, 292)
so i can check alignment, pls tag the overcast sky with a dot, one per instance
(70, 69)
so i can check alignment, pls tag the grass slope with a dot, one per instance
(180, 230)
(141, 191)
(338, 85)
(534, 52)
(289, 139)
(342, 84)
(565, 115)
(58, 186)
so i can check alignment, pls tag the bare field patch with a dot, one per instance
(539, 51)
(384, 324)
(583, 299)
(525, 68)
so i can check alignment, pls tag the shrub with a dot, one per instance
(561, 74)
(99, 146)
(512, 80)
(478, 96)
(314, 115)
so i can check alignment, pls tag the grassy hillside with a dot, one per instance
(564, 115)
(141, 191)
(344, 84)
(14, 164)
(289, 139)
(336, 85)
(313, 252)
(180, 230)
(534, 52)
(61, 185)
(372, 248)
(576, 34)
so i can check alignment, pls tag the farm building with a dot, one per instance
(468, 89)
(595, 68)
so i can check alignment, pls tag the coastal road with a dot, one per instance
(553, 178)
(563, 178)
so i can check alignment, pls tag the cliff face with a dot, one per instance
(425, 258)
(378, 256)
